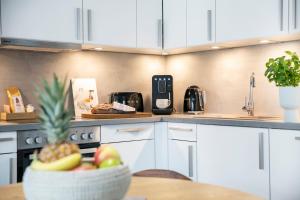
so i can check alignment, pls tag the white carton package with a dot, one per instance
(123, 107)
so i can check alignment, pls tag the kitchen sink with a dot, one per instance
(237, 117)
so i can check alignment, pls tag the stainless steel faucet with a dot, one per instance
(249, 104)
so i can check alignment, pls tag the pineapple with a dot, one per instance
(55, 121)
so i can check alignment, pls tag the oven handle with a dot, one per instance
(89, 150)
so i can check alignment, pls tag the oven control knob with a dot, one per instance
(38, 140)
(29, 140)
(73, 137)
(84, 136)
(91, 135)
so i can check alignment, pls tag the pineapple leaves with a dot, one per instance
(54, 117)
(284, 70)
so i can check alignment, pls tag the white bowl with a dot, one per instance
(102, 184)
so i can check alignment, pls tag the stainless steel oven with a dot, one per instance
(88, 139)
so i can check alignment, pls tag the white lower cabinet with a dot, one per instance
(234, 157)
(182, 158)
(8, 168)
(182, 149)
(135, 143)
(138, 155)
(285, 164)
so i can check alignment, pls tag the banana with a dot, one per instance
(63, 164)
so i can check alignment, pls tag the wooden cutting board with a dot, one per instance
(116, 116)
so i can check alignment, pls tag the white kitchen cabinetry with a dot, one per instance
(8, 168)
(250, 19)
(8, 158)
(135, 142)
(175, 12)
(234, 157)
(285, 164)
(294, 16)
(110, 22)
(149, 24)
(55, 20)
(200, 22)
(182, 149)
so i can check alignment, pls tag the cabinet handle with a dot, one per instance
(297, 138)
(295, 13)
(78, 22)
(209, 25)
(261, 151)
(89, 24)
(130, 130)
(281, 14)
(12, 170)
(7, 139)
(191, 162)
(159, 40)
(181, 129)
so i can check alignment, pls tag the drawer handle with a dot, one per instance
(130, 130)
(12, 172)
(6, 139)
(297, 138)
(181, 129)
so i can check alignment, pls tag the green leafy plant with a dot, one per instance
(284, 70)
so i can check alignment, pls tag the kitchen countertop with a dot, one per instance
(177, 118)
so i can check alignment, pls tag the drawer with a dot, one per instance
(182, 131)
(8, 142)
(127, 132)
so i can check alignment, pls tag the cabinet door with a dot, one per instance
(138, 155)
(182, 158)
(110, 22)
(200, 22)
(8, 169)
(234, 157)
(238, 20)
(285, 164)
(174, 24)
(149, 24)
(294, 16)
(55, 20)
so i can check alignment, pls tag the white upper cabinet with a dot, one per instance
(294, 16)
(149, 24)
(110, 22)
(200, 22)
(248, 19)
(285, 164)
(175, 12)
(234, 157)
(55, 20)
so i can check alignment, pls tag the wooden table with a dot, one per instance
(158, 189)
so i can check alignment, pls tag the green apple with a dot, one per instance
(111, 162)
(106, 152)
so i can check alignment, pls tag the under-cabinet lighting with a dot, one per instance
(215, 47)
(98, 49)
(264, 41)
(164, 53)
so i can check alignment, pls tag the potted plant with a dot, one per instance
(285, 72)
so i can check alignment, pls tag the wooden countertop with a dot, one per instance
(157, 189)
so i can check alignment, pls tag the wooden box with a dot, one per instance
(18, 116)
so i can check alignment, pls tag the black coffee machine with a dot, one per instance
(194, 100)
(162, 94)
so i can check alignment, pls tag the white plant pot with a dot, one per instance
(290, 102)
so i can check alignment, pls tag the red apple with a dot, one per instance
(106, 152)
(84, 167)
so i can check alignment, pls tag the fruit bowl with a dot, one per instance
(104, 184)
